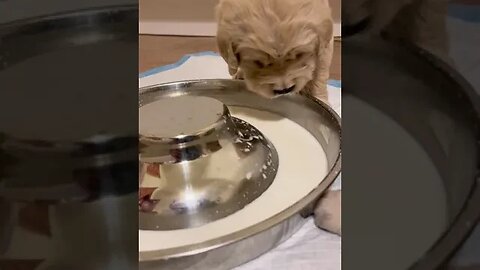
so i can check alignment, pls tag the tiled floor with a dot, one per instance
(162, 50)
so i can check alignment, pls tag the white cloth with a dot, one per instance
(309, 248)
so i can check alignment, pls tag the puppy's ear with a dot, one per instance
(227, 51)
(225, 14)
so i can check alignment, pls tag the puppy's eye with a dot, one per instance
(237, 55)
(299, 55)
(259, 64)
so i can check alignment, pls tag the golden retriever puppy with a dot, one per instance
(281, 47)
(277, 46)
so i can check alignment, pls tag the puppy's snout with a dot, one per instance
(284, 91)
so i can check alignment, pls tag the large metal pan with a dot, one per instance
(67, 196)
(239, 247)
(441, 111)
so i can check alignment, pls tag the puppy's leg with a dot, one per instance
(318, 86)
(328, 209)
(328, 212)
(423, 23)
(431, 28)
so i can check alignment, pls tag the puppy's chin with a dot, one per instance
(261, 90)
(265, 87)
(267, 91)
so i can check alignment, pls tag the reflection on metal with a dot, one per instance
(317, 118)
(202, 167)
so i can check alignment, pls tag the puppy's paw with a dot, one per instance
(328, 212)
(324, 99)
(319, 91)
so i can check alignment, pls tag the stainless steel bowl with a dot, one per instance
(78, 178)
(415, 87)
(239, 247)
(206, 164)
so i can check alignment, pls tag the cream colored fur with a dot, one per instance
(277, 44)
(420, 22)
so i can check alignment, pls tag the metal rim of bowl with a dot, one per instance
(63, 20)
(469, 216)
(70, 18)
(145, 256)
(109, 149)
(458, 231)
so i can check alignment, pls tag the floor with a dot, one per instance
(162, 50)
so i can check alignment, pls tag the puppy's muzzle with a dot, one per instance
(284, 91)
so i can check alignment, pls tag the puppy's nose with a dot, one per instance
(284, 91)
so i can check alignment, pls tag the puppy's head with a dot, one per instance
(274, 43)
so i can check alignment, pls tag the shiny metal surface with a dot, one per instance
(415, 79)
(198, 163)
(60, 190)
(239, 247)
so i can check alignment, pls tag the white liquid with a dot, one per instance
(302, 166)
(401, 205)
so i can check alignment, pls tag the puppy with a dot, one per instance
(281, 47)
(277, 46)
(328, 212)
(419, 22)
